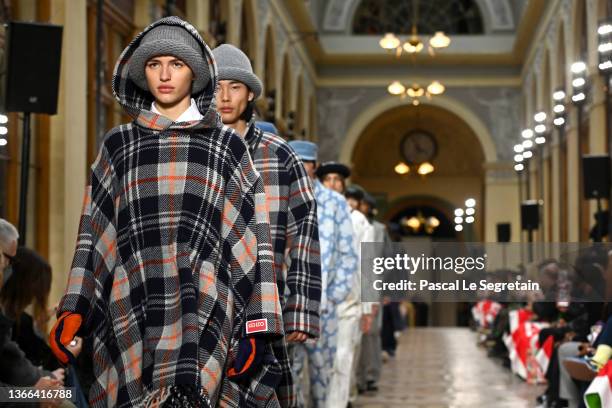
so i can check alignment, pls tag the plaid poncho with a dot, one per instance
(174, 256)
(291, 205)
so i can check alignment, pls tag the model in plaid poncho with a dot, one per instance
(291, 203)
(174, 256)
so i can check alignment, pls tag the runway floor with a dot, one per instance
(444, 368)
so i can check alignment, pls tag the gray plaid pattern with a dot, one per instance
(174, 256)
(292, 207)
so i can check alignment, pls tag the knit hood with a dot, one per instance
(137, 102)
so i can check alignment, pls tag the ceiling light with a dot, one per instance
(402, 168)
(439, 40)
(605, 28)
(425, 169)
(528, 154)
(470, 203)
(540, 117)
(559, 121)
(519, 167)
(458, 228)
(527, 134)
(559, 95)
(578, 67)
(436, 88)
(459, 212)
(396, 88)
(541, 128)
(389, 42)
(518, 158)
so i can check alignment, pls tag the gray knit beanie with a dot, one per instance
(169, 40)
(233, 64)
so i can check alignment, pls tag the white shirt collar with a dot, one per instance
(192, 112)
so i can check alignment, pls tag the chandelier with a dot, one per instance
(415, 91)
(418, 222)
(414, 45)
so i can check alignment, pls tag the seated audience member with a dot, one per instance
(24, 300)
(15, 368)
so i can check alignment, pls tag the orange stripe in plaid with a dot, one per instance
(248, 253)
(162, 261)
(301, 191)
(201, 180)
(109, 244)
(213, 378)
(153, 121)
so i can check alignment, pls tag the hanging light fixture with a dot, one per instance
(439, 40)
(414, 45)
(416, 91)
(402, 168)
(436, 88)
(425, 169)
(396, 88)
(418, 222)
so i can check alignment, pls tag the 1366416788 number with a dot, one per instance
(15, 394)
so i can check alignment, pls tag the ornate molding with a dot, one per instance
(501, 14)
(336, 15)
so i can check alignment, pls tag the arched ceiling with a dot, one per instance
(378, 149)
(508, 25)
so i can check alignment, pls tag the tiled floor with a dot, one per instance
(443, 367)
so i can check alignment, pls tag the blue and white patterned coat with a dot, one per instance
(338, 268)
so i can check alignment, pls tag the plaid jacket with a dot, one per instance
(174, 256)
(292, 208)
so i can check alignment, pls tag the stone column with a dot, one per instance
(68, 155)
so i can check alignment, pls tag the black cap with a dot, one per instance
(354, 192)
(333, 167)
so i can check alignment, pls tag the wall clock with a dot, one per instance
(418, 146)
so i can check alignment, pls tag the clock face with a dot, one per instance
(418, 147)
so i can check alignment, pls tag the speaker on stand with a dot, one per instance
(596, 182)
(530, 221)
(503, 236)
(31, 70)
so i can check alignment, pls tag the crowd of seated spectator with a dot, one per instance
(573, 315)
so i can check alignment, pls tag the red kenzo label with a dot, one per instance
(255, 326)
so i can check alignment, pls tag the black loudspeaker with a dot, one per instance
(32, 54)
(530, 215)
(596, 175)
(503, 232)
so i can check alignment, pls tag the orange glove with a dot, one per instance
(249, 358)
(62, 333)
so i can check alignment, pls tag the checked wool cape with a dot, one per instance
(174, 257)
(292, 208)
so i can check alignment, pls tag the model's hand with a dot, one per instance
(296, 337)
(59, 375)
(366, 323)
(63, 333)
(48, 383)
(75, 346)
